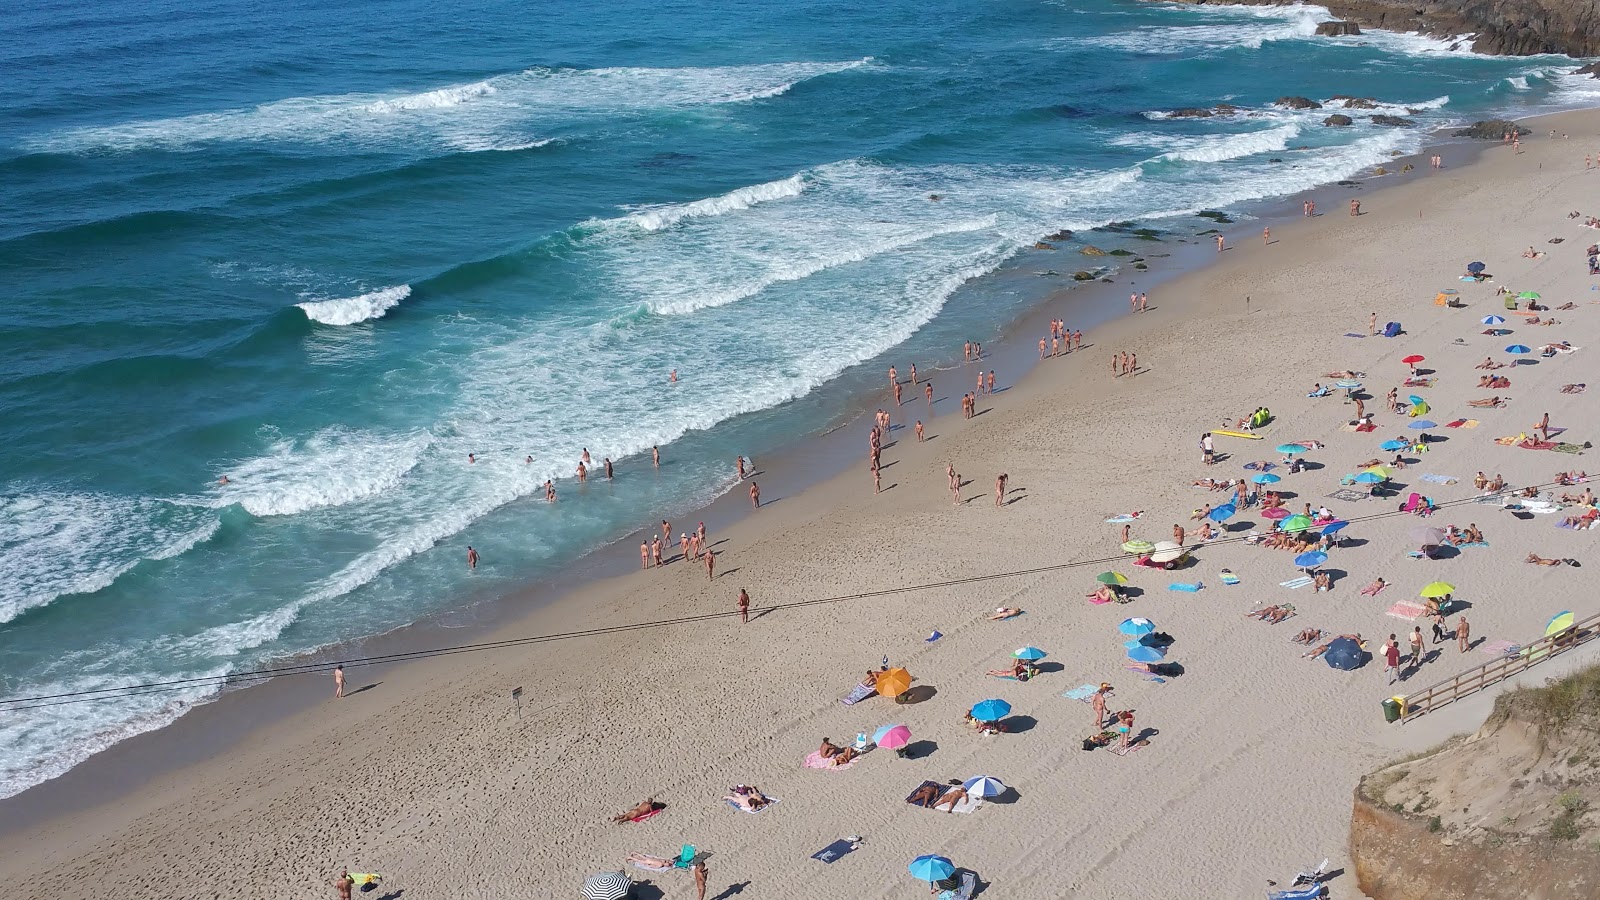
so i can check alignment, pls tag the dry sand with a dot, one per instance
(432, 780)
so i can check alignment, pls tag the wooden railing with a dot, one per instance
(1490, 673)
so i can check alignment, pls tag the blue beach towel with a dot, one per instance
(1300, 582)
(1440, 479)
(1229, 578)
(1082, 692)
(1187, 588)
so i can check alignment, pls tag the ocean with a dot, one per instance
(327, 250)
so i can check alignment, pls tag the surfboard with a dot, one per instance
(1239, 434)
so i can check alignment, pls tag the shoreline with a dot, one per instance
(228, 719)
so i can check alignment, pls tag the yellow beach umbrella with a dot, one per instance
(1562, 621)
(1438, 589)
(1383, 472)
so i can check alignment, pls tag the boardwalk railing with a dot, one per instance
(1491, 673)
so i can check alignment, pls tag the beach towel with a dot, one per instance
(857, 694)
(1260, 467)
(774, 800)
(649, 815)
(1125, 517)
(1565, 447)
(1294, 583)
(640, 865)
(1366, 428)
(1407, 609)
(1186, 588)
(833, 851)
(1348, 496)
(1353, 334)
(1098, 601)
(934, 636)
(1440, 479)
(1499, 648)
(814, 760)
(1540, 445)
(1083, 692)
(1134, 747)
(1229, 578)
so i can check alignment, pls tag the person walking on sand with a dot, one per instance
(1000, 489)
(918, 429)
(744, 607)
(1463, 634)
(1115, 362)
(990, 387)
(1221, 243)
(1098, 702)
(1438, 626)
(472, 557)
(897, 400)
(1355, 207)
(700, 875)
(1416, 647)
(644, 554)
(877, 478)
(755, 495)
(1144, 302)
(655, 553)
(1127, 532)
(894, 377)
(927, 391)
(1266, 236)
(338, 681)
(711, 564)
(955, 489)
(913, 374)
(1133, 363)
(1391, 659)
(1208, 449)
(739, 461)
(1042, 345)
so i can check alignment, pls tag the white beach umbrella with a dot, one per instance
(984, 786)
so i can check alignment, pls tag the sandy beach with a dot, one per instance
(431, 776)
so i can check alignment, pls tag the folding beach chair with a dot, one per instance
(1309, 892)
(964, 891)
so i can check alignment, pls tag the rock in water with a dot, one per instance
(1392, 121)
(1191, 112)
(1092, 250)
(1297, 103)
(1491, 130)
(1338, 120)
(1334, 29)
(1591, 69)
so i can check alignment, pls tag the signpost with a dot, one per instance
(516, 695)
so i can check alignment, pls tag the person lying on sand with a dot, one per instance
(952, 795)
(1308, 636)
(1105, 594)
(644, 808)
(649, 862)
(1273, 614)
(1541, 561)
(1018, 670)
(1487, 403)
(1568, 305)
(1314, 654)
(839, 755)
(1528, 493)
(1206, 533)
(925, 796)
(1490, 364)
(1200, 513)
(1581, 522)
(1323, 582)
(1004, 612)
(1531, 253)
(747, 798)
(1573, 388)
(1347, 374)
(1375, 588)
(1499, 382)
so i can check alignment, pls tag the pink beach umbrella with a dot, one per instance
(893, 738)
(1277, 512)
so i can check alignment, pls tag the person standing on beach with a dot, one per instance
(1125, 726)
(877, 478)
(980, 383)
(711, 564)
(1098, 702)
(744, 607)
(1041, 348)
(1177, 534)
(343, 884)
(338, 691)
(1415, 640)
(913, 374)
(897, 393)
(655, 552)
(966, 352)
(1391, 659)
(955, 488)
(755, 495)
(1127, 532)
(1000, 489)
(472, 557)
(1208, 449)
(894, 377)
(1144, 302)
(1133, 363)
(1266, 236)
(1438, 626)
(1115, 362)
(1221, 243)
(644, 554)
(700, 874)
(918, 428)
(927, 391)
(1463, 634)
(739, 461)
(1355, 207)
(990, 386)
(666, 532)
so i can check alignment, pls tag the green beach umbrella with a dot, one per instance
(1528, 295)
(1297, 523)
(1113, 577)
(1138, 546)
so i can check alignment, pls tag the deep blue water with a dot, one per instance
(329, 249)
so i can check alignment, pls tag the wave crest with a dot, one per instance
(350, 310)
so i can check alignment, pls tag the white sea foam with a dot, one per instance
(491, 114)
(54, 544)
(333, 467)
(350, 310)
(1235, 146)
(657, 218)
(1224, 26)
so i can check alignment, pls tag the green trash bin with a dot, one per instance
(1391, 710)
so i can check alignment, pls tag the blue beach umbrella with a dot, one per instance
(931, 868)
(983, 786)
(1395, 444)
(1344, 653)
(1311, 560)
(1291, 449)
(1266, 478)
(1146, 654)
(1222, 513)
(1424, 423)
(1334, 527)
(1028, 654)
(991, 710)
(1136, 642)
(1416, 401)
(1493, 320)
(1475, 267)
(1518, 348)
(1137, 627)
(1368, 478)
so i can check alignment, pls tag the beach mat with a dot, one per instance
(857, 694)
(1228, 578)
(1497, 648)
(814, 760)
(1353, 334)
(1083, 692)
(754, 812)
(1407, 609)
(1568, 448)
(1346, 495)
(1294, 583)
(1125, 517)
(1440, 479)
(1134, 747)
(833, 851)
(649, 815)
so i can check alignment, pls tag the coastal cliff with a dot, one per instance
(1501, 27)
(1503, 814)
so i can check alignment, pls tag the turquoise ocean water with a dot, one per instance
(329, 249)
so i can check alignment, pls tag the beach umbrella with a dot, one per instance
(1381, 471)
(1146, 654)
(1222, 513)
(1266, 478)
(892, 737)
(893, 682)
(1413, 359)
(1558, 623)
(1395, 444)
(983, 786)
(1028, 654)
(1424, 536)
(1420, 424)
(1166, 551)
(1518, 348)
(1311, 559)
(1493, 320)
(1438, 589)
(1137, 626)
(931, 868)
(1296, 523)
(1348, 384)
(1417, 401)
(1368, 478)
(1277, 512)
(1113, 577)
(1292, 449)
(1344, 653)
(991, 710)
(607, 886)
(1475, 267)
(1138, 546)
(1528, 295)
(1334, 527)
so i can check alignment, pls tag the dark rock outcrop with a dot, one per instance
(1360, 103)
(1297, 103)
(1491, 130)
(1191, 112)
(1501, 27)
(1334, 29)
(1591, 69)
(1392, 121)
(1339, 120)
(1228, 109)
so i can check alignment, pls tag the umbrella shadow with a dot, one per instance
(1018, 724)
(920, 749)
(920, 693)
(1047, 668)
(1337, 575)
(1310, 466)
(1352, 542)
(1130, 592)
(393, 895)
(1006, 797)
(644, 890)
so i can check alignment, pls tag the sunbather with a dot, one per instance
(1314, 654)
(1581, 522)
(980, 726)
(1496, 484)
(1487, 403)
(1206, 533)
(1489, 363)
(644, 808)
(1308, 636)
(952, 795)
(1541, 561)
(1004, 612)
(839, 755)
(925, 796)
(647, 861)
(1375, 588)
(1568, 305)
(1472, 534)
(1499, 382)
(1018, 670)
(1105, 593)
(1273, 614)
(1200, 513)
(1323, 582)
(747, 798)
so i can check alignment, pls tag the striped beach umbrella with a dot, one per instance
(1493, 320)
(983, 786)
(607, 886)
(1138, 546)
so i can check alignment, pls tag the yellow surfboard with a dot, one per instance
(1239, 434)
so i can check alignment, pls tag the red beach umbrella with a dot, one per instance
(1413, 359)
